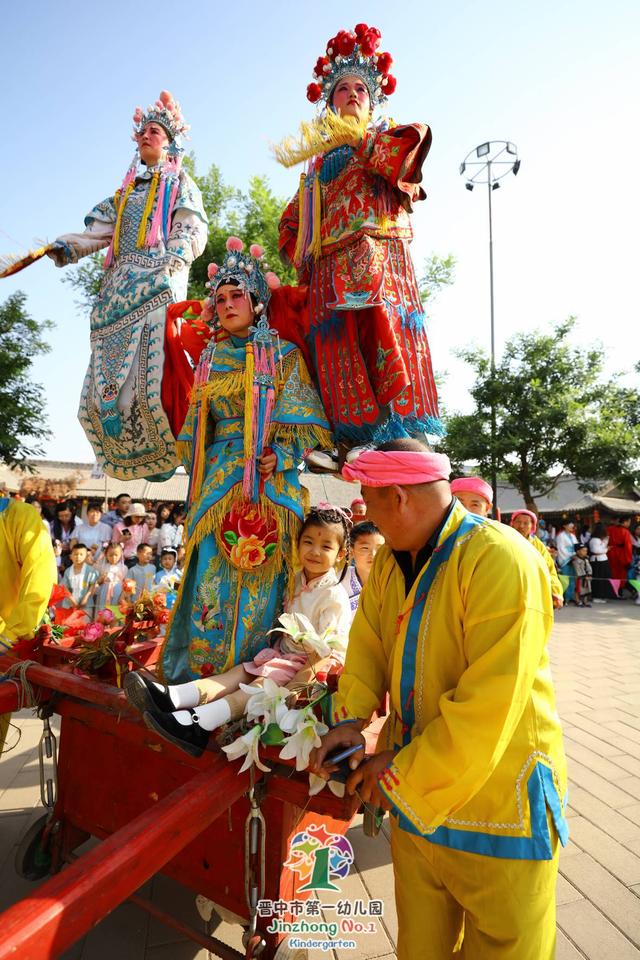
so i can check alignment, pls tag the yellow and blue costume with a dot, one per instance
(479, 774)
(27, 575)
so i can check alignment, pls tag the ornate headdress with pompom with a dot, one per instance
(167, 112)
(354, 53)
(246, 269)
(155, 223)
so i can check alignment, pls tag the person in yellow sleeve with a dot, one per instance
(474, 494)
(27, 575)
(526, 523)
(454, 624)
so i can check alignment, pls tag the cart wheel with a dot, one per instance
(285, 952)
(32, 861)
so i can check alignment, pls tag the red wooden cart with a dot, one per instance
(155, 809)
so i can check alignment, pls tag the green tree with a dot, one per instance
(22, 422)
(554, 413)
(438, 272)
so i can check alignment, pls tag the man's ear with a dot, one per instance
(399, 497)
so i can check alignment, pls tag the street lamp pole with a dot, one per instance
(488, 163)
(494, 471)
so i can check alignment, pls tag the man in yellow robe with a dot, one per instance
(454, 623)
(526, 523)
(27, 575)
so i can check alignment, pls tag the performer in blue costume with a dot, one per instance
(253, 414)
(154, 227)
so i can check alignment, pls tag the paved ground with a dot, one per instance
(596, 660)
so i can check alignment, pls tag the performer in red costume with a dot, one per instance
(620, 550)
(347, 232)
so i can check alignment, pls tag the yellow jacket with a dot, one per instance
(27, 571)
(479, 744)
(556, 586)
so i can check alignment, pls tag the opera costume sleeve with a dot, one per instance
(504, 608)
(298, 423)
(188, 235)
(99, 226)
(27, 571)
(397, 155)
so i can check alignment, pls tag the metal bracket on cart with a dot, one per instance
(255, 835)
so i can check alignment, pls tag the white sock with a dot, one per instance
(214, 714)
(183, 695)
(183, 717)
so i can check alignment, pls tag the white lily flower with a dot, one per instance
(303, 633)
(316, 784)
(247, 746)
(300, 744)
(267, 701)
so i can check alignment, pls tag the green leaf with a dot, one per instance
(230, 537)
(270, 549)
(272, 735)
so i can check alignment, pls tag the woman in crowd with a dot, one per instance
(131, 532)
(63, 530)
(598, 544)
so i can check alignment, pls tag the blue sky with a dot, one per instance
(558, 78)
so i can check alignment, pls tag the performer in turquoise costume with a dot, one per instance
(154, 226)
(254, 413)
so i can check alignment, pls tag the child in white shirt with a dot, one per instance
(323, 542)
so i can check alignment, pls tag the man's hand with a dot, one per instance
(364, 780)
(558, 602)
(346, 735)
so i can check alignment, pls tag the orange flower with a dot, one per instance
(248, 553)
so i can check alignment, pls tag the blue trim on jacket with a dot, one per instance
(543, 794)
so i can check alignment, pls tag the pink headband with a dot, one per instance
(384, 468)
(525, 513)
(473, 485)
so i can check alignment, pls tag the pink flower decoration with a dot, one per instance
(212, 269)
(235, 243)
(92, 632)
(165, 96)
(273, 281)
(207, 314)
(106, 617)
(256, 250)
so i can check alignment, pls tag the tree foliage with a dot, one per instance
(554, 414)
(252, 214)
(22, 421)
(438, 272)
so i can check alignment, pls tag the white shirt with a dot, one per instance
(565, 542)
(325, 603)
(98, 534)
(170, 535)
(598, 548)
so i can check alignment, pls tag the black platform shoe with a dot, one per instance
(143, 694)
(192, 738)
